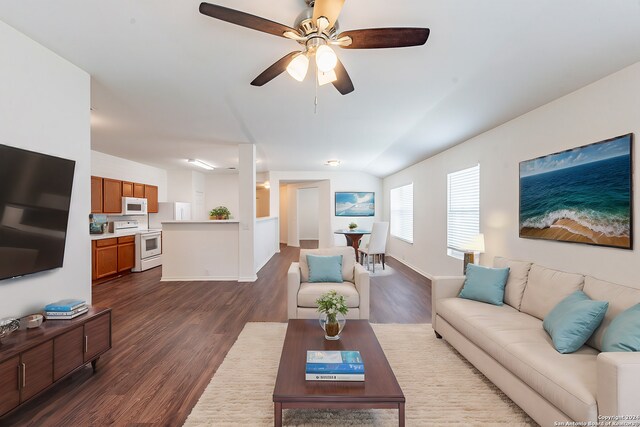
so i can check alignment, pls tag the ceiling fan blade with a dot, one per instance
(378, 38)
(244, 19)
(330, 9)
(274, 71)
(343, 83)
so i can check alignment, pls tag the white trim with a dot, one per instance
(248, 279)
(401, 239)
(265, 263)
(199, 279)
(416, 269)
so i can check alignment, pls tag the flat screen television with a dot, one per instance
(35, 193)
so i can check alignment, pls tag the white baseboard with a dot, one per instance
(416, 269)
(199, 279)
(248, 279)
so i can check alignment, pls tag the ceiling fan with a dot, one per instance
(317, 30)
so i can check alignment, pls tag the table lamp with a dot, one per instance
(473, 246)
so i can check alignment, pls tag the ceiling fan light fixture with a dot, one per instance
(328, 77)
(201, 164)
(298, 67)
(326, 58)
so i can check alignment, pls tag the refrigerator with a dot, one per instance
(170, 211)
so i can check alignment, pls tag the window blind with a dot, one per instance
(401, 206)
(463, 208)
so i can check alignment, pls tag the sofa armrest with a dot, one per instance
(618, 378)
(361, 278)
(293, 285)
(444, 287)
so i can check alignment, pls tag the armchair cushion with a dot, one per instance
(348, 261)
(326, 268)
(310, 292)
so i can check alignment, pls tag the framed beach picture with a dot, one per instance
(355, 204)
(583, 195)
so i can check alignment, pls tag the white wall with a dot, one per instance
(108, 166)
(604, 109)
(222, 190)
(308, 219)
(44, 107)
(338, 181)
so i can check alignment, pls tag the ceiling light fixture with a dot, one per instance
(266, 185)
(201, 164)
(333, 163)
(324, 78)
(298, 67)
(326, 58)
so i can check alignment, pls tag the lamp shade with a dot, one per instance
(475, 244)
(326, 58)
(298, 67)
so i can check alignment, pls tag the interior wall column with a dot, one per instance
(247, 212)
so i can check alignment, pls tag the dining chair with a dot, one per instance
(377, 244)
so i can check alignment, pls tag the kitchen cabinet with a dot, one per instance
(112, 195)
(151, 193)
(126, 253)
(138, 190)
(127, 189)
(37, 370)
(32, 361)
(105, 258)
(96, 194)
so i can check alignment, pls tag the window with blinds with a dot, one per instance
(463, 209)
(401, 206)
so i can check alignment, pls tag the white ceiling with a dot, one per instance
(170, 84)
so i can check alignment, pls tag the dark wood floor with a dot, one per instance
(170, 337)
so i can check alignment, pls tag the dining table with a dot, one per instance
(353, 238)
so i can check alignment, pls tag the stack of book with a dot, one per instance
(65, 309)
(334, 366)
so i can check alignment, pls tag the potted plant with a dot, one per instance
(353, 226)
(221, 212)
(333, 309)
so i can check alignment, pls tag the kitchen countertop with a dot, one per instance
(113, 235)
(208, 221)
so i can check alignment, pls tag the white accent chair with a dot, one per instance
(377, 244)
(302, 295)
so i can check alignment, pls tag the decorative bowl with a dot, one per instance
(33, 321)
(7, 326)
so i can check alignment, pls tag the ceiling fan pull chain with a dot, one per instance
(315, 106)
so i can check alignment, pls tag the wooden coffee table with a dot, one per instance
(380, 390)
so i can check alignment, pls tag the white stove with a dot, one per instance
(148, 249)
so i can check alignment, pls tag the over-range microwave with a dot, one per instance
(134, 206)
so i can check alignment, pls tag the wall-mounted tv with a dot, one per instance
(582, 195)
(355, 204)
(35, 194)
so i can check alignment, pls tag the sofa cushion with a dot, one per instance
(573, 320)
(620, 298)
(623, 334)
(520, 344)
(348, 261)
(325, 268)
(485, 284)
(310, 292)
(546, 288)
(517, 280)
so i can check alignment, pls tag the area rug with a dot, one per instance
(440, 386)
(388, 271)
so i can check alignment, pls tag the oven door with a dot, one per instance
(150, 245)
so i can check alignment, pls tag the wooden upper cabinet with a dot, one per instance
(151, 193)
(127, 189)
(138, 190)
(112, 200)
(96, 194)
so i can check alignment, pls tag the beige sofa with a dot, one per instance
(510, 347)
(302, 295)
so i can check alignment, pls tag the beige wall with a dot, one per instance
(262, 202)
(604, 109)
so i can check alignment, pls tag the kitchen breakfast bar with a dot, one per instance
(200, 250)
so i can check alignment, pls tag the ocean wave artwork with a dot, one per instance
(355, 204)
(583, 195)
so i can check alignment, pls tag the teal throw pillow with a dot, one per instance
(485, 284)
(325, 268)
(573, 320)
(623, 334)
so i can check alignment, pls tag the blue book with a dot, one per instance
(335, 368)
(316, 356)
(65, 305)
